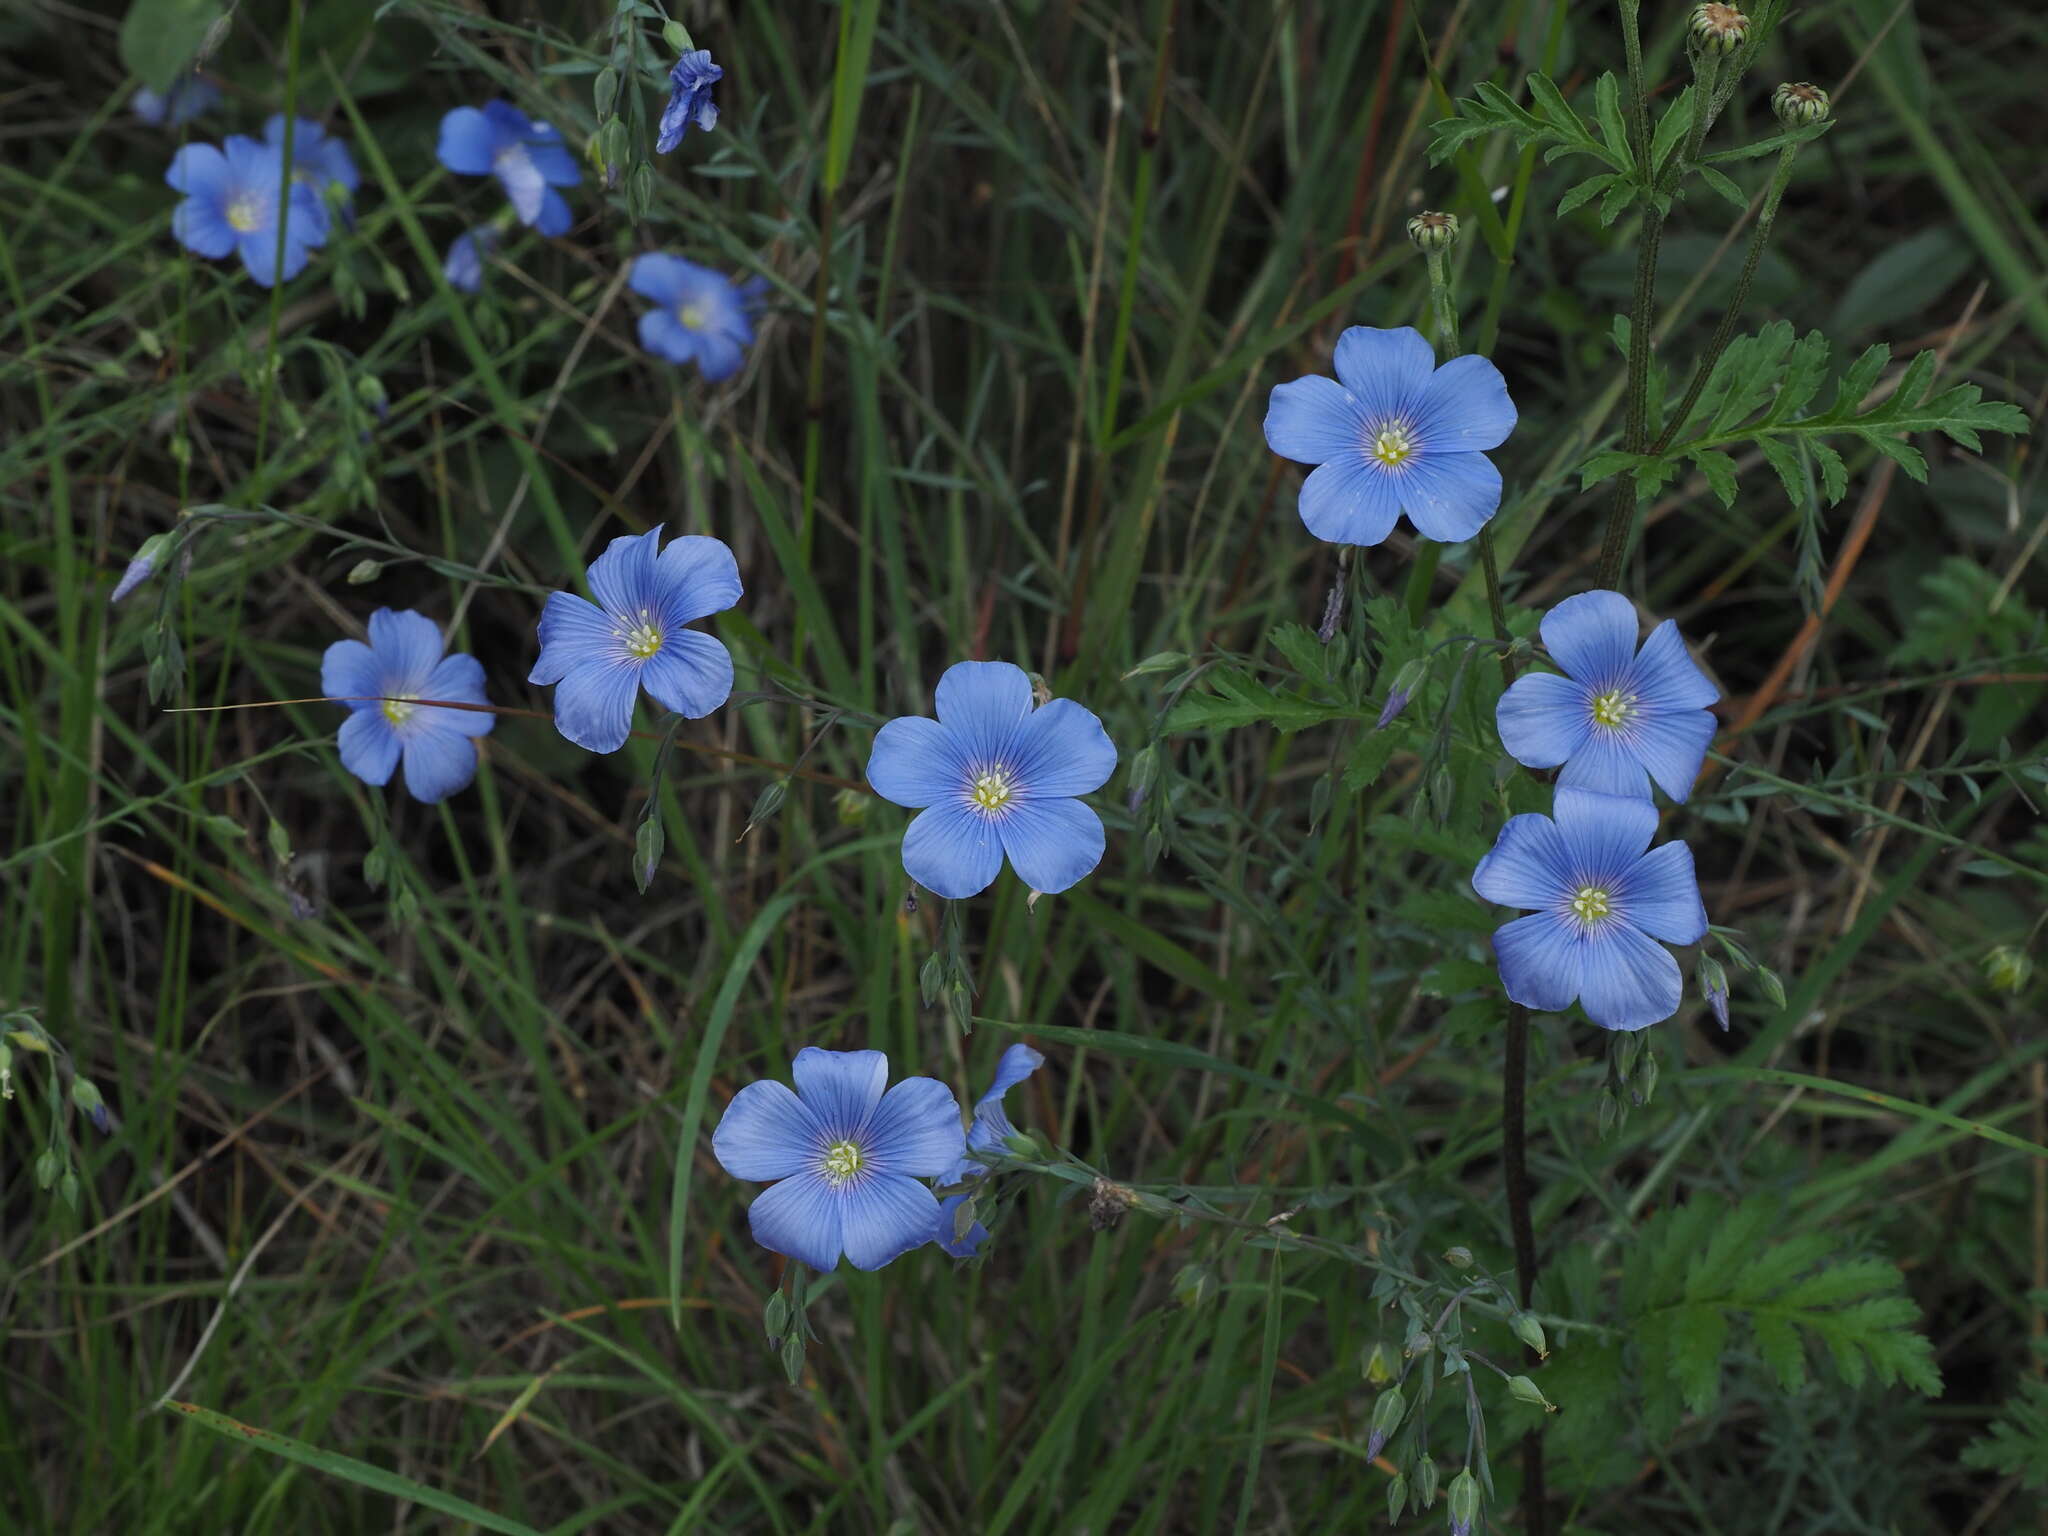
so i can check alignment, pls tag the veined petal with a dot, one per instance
(573, 632)
(840, 1088)
(1541, 961)
(1672, 744)
(962, 1247)
(1665, 673)
(1464, 407)
(350, 674)
(201, 170)
(1604, 835)
(917, 762)
(437, 762)
(883, 1216)
(1661, 896)
(468, 142)
(524, 185)
(459, 678)
(1350, 500)
(594, 704)
(1017, 1062)
(667, 337)
(622, 579)
(1592, 636)
(408, 645)
(1605, 765)
(1449, 496)
(202, 228)
(1312, 420)
(1528, 866)
(555, 217)
(1386, 371)
(555, 163)
(799, 1218)
(1630, 980)
(369, 746)
(1543, 719)
(952, 851)
(983, 703)
(1053, 844)
(916, 1130)
(1062, 749)
(766, 1133)
(258, 250)
(691, 673)
(668, 280)
(698, 577)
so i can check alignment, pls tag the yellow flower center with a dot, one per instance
(841, 1162)
(643, 639)
(245, 214)
(1612, 708)
(398, 710)
(992, 790)
(1392, 446)
(1591, 905)
(692, 316)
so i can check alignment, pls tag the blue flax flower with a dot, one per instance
(1617, 713)
(464, 264)
(184, 99)
(703, 317)
(848, 1156)
(689, 99)
(1397, 434)
(233, 197)
(527, 156)
(320, 160)
(993, 776)
(380, 682)
(602, 654)
(989, 1130)
(1600, 904)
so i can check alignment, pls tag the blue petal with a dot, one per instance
(1604, 834)
(1672, 745)
(201, 170)
(917, 762)
(1053, 844)
(983, 703)
(698, 577)
(408, 647)
(1592, 636)
(555, 217)
(1350, 500)
(1630, 980)
(840, 1088)
(202, 228)
(1666, 674)
(1541, 961)
(1016, 1063)
(510, 125)
(134, 575)
(667, 337)
(337, 164)
(464, 264)
(259, 256)
(556, 165)
(1605, 764)
(622, 578)
(468, 142)
(1062, 749)
(437, 762)
(1527, 867)
(1464, 407)
(460, 679)
(1661, 896)
(962, 1247)
(799, 1218)
(668, 280)
(718, 356)
(524, 185)
(915, 1130)
(883, 1216)
(1543, 719)
(351, 674)
(766, 1133)
(1313, 420)
(573, 631)
(1450, 496)
(1386, 371)
(952, 851)
(369, 746)
(691, 673)
(594, 704)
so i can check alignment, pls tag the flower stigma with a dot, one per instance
(992, 790)
(399, 710)
(692, 316)
(1391, 445)
(1612, 708)
(643, 639)
(842, 1161)
(1591, 905)
(245, 214)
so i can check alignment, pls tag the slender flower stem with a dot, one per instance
(1514, 1088)
(1635, 431)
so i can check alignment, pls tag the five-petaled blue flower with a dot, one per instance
(381, 684)
(464, 264)
(848, 1156)
(186, 97)
(602, 654)
(1618, 713)
(689, 99)
(1398, 434)
(1600, 904)
(993, 776)
(703, 317)
(989, 1131)
(527, 156)
(232, 200)
(319, 159)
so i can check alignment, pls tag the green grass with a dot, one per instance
(410, 1193)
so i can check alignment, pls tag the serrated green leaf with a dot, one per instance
(1698, 1335)
(1719, 471)
(1617, 200)
(1587, 190)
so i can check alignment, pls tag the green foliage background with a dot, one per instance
(391, 1202)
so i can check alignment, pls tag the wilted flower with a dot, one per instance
(527, 156)
(184, 99)
(703, 317)
(690, 80)
(988, 1132)
(463, 266)
(381, 683)
(233, 197)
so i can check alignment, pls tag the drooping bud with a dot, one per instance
(1713, 980)
(1426, 1476)
(1194, 1285)
(1386, 1418)
(1397, 1497)
(1433, 231)
(1799, 105)
(1523, 1390)
(1379, 1363)
(1459, 1257)
(142, 567)
(1463, 1504)
(87, 1098)
(364, 572)
(1406, 681)
(604, 92)
(677, 36)
(2007, 968)
(1718, 29)
(1530, 1332)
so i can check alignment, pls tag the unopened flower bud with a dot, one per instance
(677, 36)
(1718, 29)
(604, 92)
(1379, 1363)
(142, 567)
(1459, 1257)
(1523, 1390)
(87, 1098)
(1406, 681)
(364, 571)
(1397, 1497)
(1433, 231)
(1426, 1475)
(1713, 980)
(2007, 968)
(851, 807)
(1386, 1418)
(1194, 1285)
(1530, 1332)
(1463, 1504)
(1799, 105)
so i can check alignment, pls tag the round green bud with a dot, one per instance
(1434, 231)
(1718, 29)
(1799, 105)
(2007, 969)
